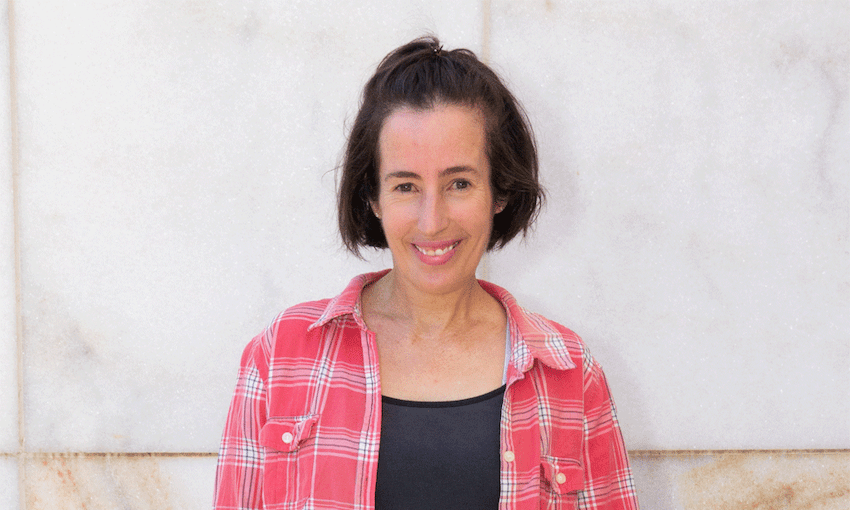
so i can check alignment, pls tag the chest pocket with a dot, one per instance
(288, 444)
(560, 482)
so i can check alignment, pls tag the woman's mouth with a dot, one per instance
(437, 252)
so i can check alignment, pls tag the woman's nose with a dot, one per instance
(433, 215)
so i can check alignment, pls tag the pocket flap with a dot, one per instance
(563, 475)
(287, 434)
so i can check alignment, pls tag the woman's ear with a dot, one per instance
(376, 209)
(499, 205)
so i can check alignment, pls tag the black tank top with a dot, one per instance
(439, 454)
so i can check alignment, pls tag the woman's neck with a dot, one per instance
(427, 315)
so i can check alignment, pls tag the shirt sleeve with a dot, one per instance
(239, 474)
(608, 477)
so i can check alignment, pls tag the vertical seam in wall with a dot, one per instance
(485, 56)
(14, 162)
(486, 7)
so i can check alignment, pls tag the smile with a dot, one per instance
(437, 252)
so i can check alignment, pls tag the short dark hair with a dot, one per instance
(422, 75)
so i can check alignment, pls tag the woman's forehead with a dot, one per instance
(447, 136)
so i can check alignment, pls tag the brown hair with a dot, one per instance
(421, 75)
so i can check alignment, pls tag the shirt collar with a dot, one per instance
(532, 336)
(348, 302)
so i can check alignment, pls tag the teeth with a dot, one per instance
(436, 253)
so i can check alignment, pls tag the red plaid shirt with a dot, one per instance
(303, 430)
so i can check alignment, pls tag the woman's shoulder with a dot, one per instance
(309, 311)
(288, 336)
(530, 323)
(579, 351)
(543, 338)
(298, 321)
(295, 321)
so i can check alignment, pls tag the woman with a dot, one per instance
(421, 386)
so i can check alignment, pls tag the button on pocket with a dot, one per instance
(287, 434)
(562, 475)
(287, 463)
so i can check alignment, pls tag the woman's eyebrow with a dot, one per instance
(458, 170)
(404, 174)
(401, 174)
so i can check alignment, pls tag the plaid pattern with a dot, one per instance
(303, 429)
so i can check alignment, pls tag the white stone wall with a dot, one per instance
(167, 186)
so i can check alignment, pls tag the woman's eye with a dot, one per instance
(404, 188)
(461, 184)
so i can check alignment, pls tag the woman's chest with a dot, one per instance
(328, 450)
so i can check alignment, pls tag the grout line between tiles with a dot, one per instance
(698, 453)
(14, 157)
(632, 453)
(486, 6)
(97, 455)
(484, 267)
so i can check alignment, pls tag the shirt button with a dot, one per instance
(509, 456)
(286, 437)
(561, 478)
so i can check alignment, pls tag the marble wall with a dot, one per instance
(167, 186)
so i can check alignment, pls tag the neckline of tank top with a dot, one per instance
(444, 403)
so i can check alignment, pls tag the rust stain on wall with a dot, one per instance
(769, 481)
(103, 482)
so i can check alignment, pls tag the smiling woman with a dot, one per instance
(421, 386)
(434, 199)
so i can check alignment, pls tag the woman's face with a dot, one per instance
(434, 200)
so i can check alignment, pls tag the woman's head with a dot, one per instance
(420, 76)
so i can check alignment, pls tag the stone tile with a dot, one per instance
(696, 230)
(743, 480)
(664, 480)
(9, 482)
(112, 481)
(657, 477)
(177, 193)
